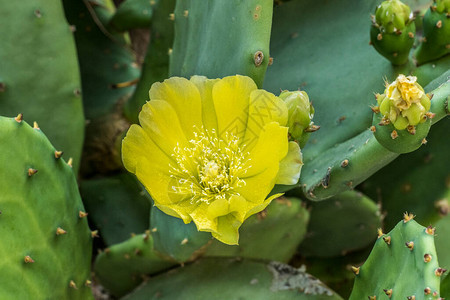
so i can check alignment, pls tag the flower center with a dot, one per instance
(403, 91)
(209, 167)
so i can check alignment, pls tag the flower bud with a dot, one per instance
(300, 114)
(393, 31)
(402, 119)
(392, 15)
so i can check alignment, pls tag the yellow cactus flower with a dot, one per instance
(404, 91)
(404, 103)
(211, 150)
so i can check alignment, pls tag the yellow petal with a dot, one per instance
(259, 186)
(202, 219)
(221, 207)
(262, 206)
(161, 124)
(205, 86)
(136, 145)
(270, 148)
(238, 207)
(176, 212)
(185, 100)
(227, 230)
(263, 163)
(218, 207)
(290, 166)
(154, 175)
(264, 108)
(151, 165)
(231, 97)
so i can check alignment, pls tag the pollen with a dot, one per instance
(209, 167)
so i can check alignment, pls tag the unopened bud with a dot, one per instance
(300, 114)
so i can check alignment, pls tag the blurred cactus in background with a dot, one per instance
(185, 134)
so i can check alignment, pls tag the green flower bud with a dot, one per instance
(300, 114)
(392, 15)
(393, 31)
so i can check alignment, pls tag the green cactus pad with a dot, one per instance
(402, 264)
(46, 246)
(156, 63)
(440, 88)
(175, 240)
(124, 266)
(105, 61)
(132, 14)
(445, 287)
(442, 239)
(335, 272)
(273, 234)
(221, 38)
(436, 32)
(351, 217)
(344, 166)
(118, 206)
(234, 279)
(39, 72)
(432, 70)
(416, 181)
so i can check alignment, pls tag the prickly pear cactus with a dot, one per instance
(402, 265)
(46, 248)
(228, 149)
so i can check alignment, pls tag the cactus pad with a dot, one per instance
(39, 72)
(232, 279)
(351, 216)
(204, 46)
(273, 234)
(402, 265)
(46, 241)
(124, 266)
(117, 205)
